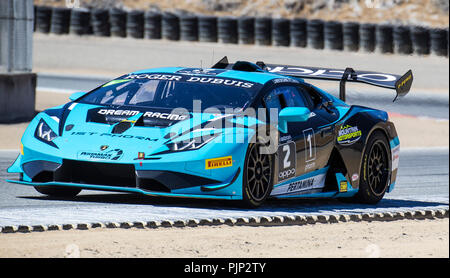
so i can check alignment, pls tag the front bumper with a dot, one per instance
(166, 176)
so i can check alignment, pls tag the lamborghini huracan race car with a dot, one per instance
(241, 131)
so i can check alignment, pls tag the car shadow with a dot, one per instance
(271, 205)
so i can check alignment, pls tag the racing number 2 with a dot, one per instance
(287, 161)
(287, 151)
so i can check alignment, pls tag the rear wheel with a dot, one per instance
(375, 171)
(60, 191)
(258, 176)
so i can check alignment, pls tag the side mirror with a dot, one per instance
(76, 95)
(292, 114)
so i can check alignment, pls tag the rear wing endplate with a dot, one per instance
(400, 83)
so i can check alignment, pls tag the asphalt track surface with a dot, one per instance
(423, 184)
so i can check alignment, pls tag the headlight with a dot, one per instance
(191, 144)
(44, 133)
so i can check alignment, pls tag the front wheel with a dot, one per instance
(58, 191)
(375, 171)
(257, 176)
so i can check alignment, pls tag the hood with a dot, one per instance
(85, 129)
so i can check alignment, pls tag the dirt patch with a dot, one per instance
(403, 238)
(421, 132)
(422, 12)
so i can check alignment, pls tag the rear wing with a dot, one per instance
(400, 83)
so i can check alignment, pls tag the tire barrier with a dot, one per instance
(43, 19)
(298, 32)
(263, 31)
(152, 25)
(170, 26)
(100, 22)
(420, 37)
(227, 30)
(333, 35)
(188, 27)
(367, 37)
(60, 21)
(439, 41)
(385, 38)
(207, 28)
(246, 30)
(118, 21)
(315, 33)
(135, 24)
(402, 39)
(350, 32)
(281, 32)
(80, 21)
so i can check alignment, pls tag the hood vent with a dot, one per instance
(124, 125)
(121, 127)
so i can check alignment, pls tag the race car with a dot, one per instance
(238, 131)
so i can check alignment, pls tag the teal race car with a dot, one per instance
(239, 131)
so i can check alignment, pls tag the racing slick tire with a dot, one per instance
(375, 171)
(257, 177)
(54, 191)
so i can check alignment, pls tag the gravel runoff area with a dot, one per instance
(393, 239)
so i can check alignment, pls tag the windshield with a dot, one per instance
(174, 91)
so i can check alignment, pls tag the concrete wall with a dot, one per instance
(16, 35)
(17, 97)
(17, 84)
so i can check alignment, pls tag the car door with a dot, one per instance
(301, 148)
(322, 122)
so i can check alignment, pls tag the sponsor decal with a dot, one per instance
(89, 133)
(343, 185)
(114, 82)
(220, 162)
(141, 155)
(355, 177)
(348, 135)
(403, 82)
(310, 166)
(148, 114)
(329, 73)
(103, 147)
(304, 186)
(221, 81)
(200, 71)
(193, 79)
(395, 157)
(285, 138)
(300, 185)
(151, 76)
(282, 80)
(115, 154)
